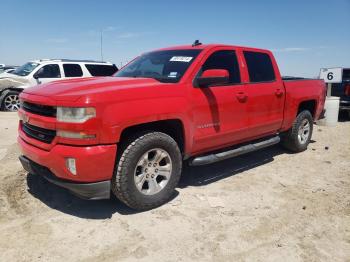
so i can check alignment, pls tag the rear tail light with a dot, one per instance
(347, 90)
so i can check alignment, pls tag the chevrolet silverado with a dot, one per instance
(130, 133)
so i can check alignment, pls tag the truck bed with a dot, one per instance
(302, 89)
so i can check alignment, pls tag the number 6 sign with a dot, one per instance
(331, 75)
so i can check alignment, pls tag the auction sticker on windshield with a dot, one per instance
(185, 59)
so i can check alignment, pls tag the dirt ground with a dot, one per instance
(266, 206)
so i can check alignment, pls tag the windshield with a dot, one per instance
(25, 69)
(165, 66)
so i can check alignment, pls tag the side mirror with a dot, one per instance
(213, 77)
(36, 76)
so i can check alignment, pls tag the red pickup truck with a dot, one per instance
(130, 133)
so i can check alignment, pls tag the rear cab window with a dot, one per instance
(72, 70)
(260, 67)
(101, 70)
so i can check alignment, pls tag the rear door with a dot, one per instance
(219, 116)
(72, 70)
(266, 94)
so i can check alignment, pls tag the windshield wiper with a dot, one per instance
(160, 79)
(165, 79)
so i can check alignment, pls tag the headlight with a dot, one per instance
(75, 114)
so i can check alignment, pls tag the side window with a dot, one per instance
(72, 70)
(224, 59)
(101, 70)
(49, 71)
(259, 67)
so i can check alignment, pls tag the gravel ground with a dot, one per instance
(266, 206)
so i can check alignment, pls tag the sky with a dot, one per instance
(303, 35)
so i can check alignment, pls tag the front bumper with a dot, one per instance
(91, 191)
(93, 163)
(94, 166)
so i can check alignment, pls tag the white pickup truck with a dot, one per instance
(44, 71)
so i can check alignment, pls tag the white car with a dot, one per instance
(44, 71)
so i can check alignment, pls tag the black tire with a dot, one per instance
(290, 140)
(7, 107)
(123, 182)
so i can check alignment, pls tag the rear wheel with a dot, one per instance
(11, 101)
(298, 137)
(148, 171)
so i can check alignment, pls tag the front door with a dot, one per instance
(219, 111)
(48, 73)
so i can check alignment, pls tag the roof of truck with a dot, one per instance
(209, 46)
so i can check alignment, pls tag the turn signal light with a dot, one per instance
(75, 135)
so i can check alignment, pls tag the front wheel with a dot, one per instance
(11, 101)
(148, 171)
(298, 137)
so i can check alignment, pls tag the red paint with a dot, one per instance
(95, 163)
(212, 117)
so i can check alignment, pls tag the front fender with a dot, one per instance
(119, 116)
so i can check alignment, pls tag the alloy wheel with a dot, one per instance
(153, 171)
(12, 103)
(304, 132)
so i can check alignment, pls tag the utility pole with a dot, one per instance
(101, 45)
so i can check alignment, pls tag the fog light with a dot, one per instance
(70, 163)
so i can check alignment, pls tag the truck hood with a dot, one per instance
(73, 89)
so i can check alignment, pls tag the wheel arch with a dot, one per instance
(309, 105)
(171, 127)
